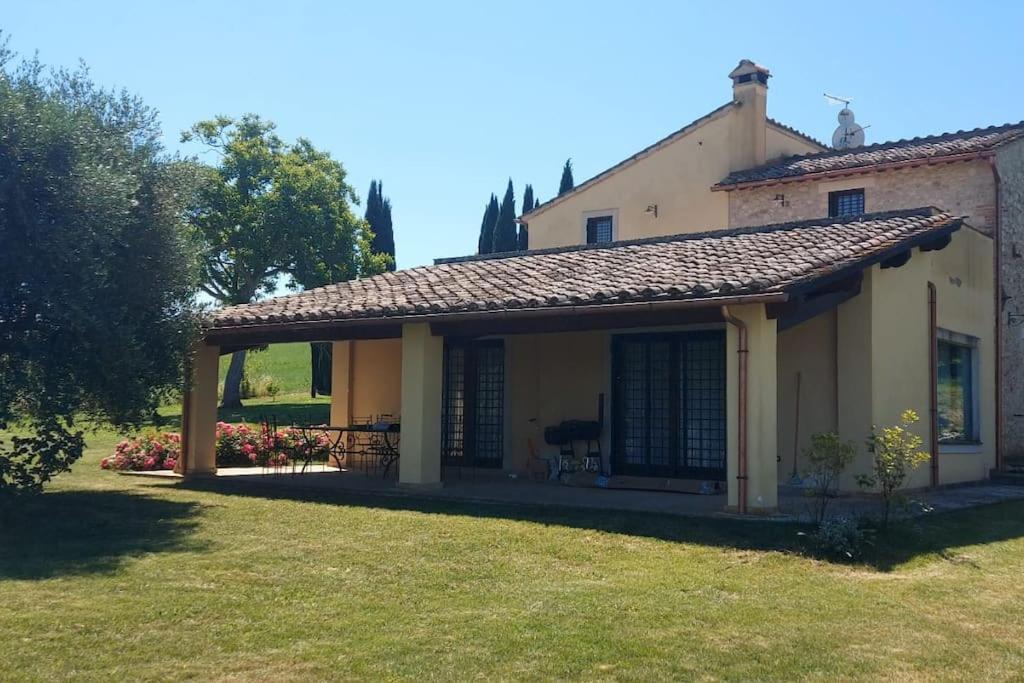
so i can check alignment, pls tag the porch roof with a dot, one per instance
(765, 263)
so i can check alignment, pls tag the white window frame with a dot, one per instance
(973, 444)
(614, 213)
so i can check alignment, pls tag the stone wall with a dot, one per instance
(1010, 161)
(964, 188)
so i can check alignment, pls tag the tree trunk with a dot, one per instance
(233, 381)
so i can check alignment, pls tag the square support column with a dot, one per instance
(422, 363)
(761, 408)
(199, 415)
(341, 383)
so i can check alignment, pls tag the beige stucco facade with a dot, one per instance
(675, 175)
(851, 367)
(969, 188)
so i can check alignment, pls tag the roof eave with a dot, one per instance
(856, 170)
(228, 332)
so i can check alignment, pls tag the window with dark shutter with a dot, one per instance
(599, 229)
(846, 203)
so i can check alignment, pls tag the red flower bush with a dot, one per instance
(237, 445)
(153, 451)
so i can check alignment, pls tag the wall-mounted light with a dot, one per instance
(652, 208)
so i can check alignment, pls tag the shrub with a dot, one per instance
(241, 446)
(149, 452)
(896, 452)
(840, 537)
(237, 445)
(827, 457)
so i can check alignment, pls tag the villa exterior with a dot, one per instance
(718, 297)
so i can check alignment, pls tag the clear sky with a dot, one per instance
(445, 101)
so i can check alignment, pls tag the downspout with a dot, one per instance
(741, 446)
(997, 261)
(933, 383)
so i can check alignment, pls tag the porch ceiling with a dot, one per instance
(622, 283)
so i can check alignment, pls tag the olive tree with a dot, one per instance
(97, 274)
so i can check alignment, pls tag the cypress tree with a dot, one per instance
(528, 198)
(528, 205)
(505, 229)
(378, 215)
(486, 243)
(567, 181)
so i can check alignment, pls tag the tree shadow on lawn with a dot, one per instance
(937, 535)
(85, 532)
(285, 414)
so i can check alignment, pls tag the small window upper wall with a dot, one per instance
(665, 188)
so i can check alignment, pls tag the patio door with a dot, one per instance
(668, 405)
(473, 403)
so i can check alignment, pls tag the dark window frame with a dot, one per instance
(591, 226)
(464, 360)
(680, 459)
(969, 394)
(838, 203)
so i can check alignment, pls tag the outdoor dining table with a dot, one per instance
(379, 440)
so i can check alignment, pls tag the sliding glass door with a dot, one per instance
(668, 405)
(473, 403)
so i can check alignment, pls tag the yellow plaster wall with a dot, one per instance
(677, 177)
(421, 364)
(883, 351)
(808, 349)
(762, 417)
(550, 378)
(376, 377)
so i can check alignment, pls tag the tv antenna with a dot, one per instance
(849, 133)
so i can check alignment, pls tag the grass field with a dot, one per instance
(287, 364)
(107, 577)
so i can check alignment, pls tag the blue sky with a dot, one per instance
(446, 100)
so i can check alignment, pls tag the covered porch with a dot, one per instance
(682, 350)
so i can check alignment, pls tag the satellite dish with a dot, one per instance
(848, 134)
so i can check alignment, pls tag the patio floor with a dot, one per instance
(497, 487)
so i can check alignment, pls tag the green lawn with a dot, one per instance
(108, 577)
(287, 364)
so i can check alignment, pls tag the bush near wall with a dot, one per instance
(237, 445)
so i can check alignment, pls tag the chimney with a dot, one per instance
(748, 147)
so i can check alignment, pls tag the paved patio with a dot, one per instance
(496, 487)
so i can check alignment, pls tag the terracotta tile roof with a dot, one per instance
(798, 133)
(704, 266)
(933, 147)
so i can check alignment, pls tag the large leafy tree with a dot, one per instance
(270, 211)
(505, 238)
(378, 216)
(567, 183)
(97, 276)
(490, 219)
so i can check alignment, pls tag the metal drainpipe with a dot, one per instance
(997, 260)
(933, 383)
(741, 456)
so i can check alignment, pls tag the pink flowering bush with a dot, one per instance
(240, 446)
(152, 451)
(237, 445)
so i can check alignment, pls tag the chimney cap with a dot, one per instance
(747, 71)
